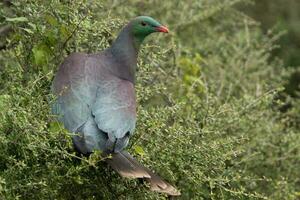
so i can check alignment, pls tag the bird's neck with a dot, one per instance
(125, 52)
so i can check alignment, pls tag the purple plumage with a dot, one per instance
(95, 103)
(96, 100)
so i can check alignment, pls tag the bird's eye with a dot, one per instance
(143, 23)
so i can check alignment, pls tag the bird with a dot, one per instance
(95, 99)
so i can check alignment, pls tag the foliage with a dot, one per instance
(208, 118)
(285, 16)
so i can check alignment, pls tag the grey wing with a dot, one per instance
(72, 111)
(75, 95)
(114, 111)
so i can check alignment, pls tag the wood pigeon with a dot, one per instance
(96, 99)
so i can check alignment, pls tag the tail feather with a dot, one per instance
(159, 185)
(127, 166)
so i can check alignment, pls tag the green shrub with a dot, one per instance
(208, 118)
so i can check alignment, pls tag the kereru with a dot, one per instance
(96, 100)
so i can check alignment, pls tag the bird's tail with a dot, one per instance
(127, 166)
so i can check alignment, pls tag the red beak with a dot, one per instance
(162, 29)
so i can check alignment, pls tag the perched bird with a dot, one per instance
(96, 100)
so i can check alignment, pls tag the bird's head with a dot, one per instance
(144, 25)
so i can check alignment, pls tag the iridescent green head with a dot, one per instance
(143, 25)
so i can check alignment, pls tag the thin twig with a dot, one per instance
(73, 32)
(63, 46)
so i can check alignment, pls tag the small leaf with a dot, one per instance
(17, 19)
(65, 33)
(139, 150)
(33, 26)
(28, 30)
(51, 20)
(55, 126)
(40, 54)
(4, 101)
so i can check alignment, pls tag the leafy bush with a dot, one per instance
(208, 118)
(284, 15)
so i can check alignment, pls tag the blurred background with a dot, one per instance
(282, 16)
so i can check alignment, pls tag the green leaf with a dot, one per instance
(51, 20)
(28, 30)
(4, 101)
(40, 54)
(55, 126)
(65, 33)
(139, 150)
(33, 26)
(17, 19)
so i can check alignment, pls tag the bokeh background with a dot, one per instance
(282, 16)
(218, 98)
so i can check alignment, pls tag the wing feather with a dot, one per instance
(115, 108)
(94, 102)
